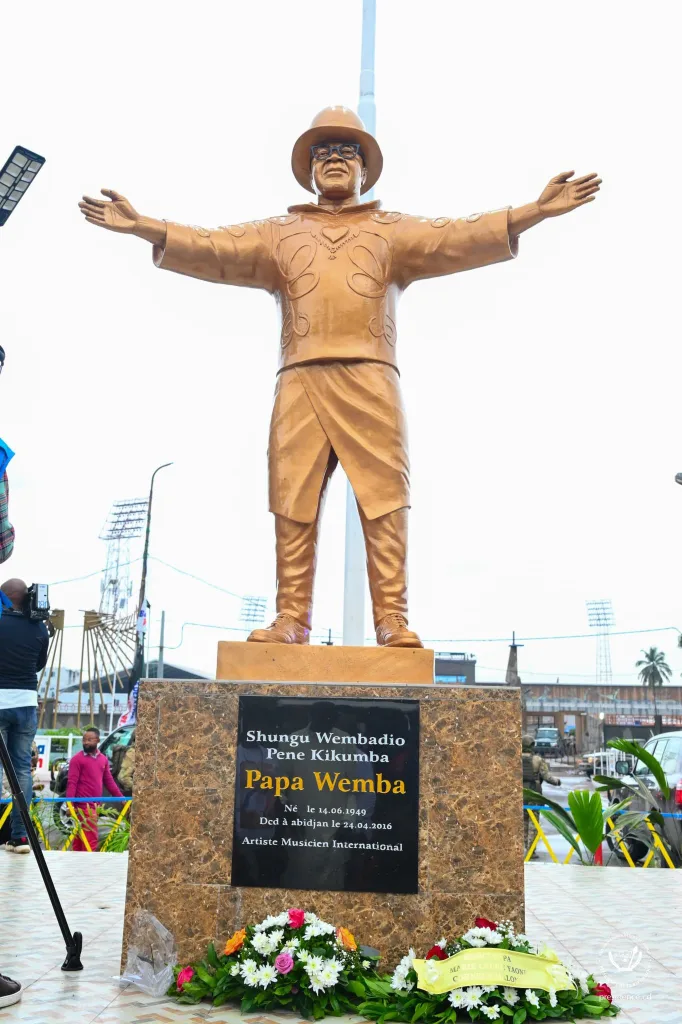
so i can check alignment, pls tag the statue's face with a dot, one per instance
(334, 176)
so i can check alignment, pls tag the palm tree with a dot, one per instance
(653, 671)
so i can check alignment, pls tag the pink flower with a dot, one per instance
(284, 963)
(185, 975)
(296, 918)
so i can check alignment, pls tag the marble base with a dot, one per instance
(270, 663)
(470, 819)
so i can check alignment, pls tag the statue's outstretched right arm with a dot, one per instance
(240, 254)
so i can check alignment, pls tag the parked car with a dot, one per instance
(549, 741)
(667, 749)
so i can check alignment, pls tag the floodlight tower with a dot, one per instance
(600, 618)
(252, 612)
(126, 521)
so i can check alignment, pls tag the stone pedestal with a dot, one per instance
(470, 817)
(286, 663)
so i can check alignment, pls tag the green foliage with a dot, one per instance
(586, 818)
(587, 815)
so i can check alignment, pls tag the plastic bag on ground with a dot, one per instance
(151, 955)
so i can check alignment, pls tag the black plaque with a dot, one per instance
(327, 794)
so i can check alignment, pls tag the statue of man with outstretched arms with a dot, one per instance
(337, 268)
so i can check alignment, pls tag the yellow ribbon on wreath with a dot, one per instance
(492, 967)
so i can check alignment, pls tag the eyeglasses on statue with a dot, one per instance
(346, 150)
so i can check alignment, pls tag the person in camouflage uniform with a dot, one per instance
(535, 772)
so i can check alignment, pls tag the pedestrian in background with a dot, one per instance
(535, 772)
(89, 774)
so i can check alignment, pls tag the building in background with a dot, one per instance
(455, 667)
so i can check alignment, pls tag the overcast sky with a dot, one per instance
(543, 394)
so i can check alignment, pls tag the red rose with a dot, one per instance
(602, 990)
(483, 922)
(296, 917)
(437, 952)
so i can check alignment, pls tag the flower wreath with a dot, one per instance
(291, 961)
(404, 1001)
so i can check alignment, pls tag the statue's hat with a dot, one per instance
(336, 124)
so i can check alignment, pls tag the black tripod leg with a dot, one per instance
(74, 942)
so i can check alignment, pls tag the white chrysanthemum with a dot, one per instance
(261, 943)
(275, 939)
(249, 973)
(282, 919)
(310, 918)
(400, 984)
(552, 997)
(510, 996)
(291, 945)
(234, 970)
(304, 955)
(474, 939)
(327, 929)
(314, 964)
(316, 983)
(329, 976)
(580, 977)
(488, 988)
(442, 943)
(456, 998)
(365, 965)
(531, 997)
(269, 922)
(266, 975)
(472, 996)
(491, 1012)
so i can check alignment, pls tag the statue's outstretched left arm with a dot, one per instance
(563, 194)
(424, 247)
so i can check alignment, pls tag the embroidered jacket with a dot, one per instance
(337, 276)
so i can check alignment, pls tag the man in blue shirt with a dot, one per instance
(23, 653)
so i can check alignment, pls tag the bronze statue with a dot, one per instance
(337, 268)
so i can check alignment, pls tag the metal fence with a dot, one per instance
(119, 824)
(541, 835)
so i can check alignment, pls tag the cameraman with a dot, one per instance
(23, 653)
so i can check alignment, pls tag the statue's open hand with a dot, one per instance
(563, 195)
(116, 215)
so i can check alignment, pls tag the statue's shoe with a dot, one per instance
(284, 630)
(392, 631)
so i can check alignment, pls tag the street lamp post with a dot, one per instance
(354, 568)
(15, 178)
(139, 640)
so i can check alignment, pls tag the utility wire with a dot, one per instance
(88, 575)
(450, 641)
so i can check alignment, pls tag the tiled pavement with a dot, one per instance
(598, 917)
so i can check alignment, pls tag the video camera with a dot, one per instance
(37, 604)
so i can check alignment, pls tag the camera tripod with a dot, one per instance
(74, 942)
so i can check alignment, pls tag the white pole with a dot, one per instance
(354, 570)
(159, 668)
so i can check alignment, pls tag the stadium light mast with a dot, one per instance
(600, 618)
